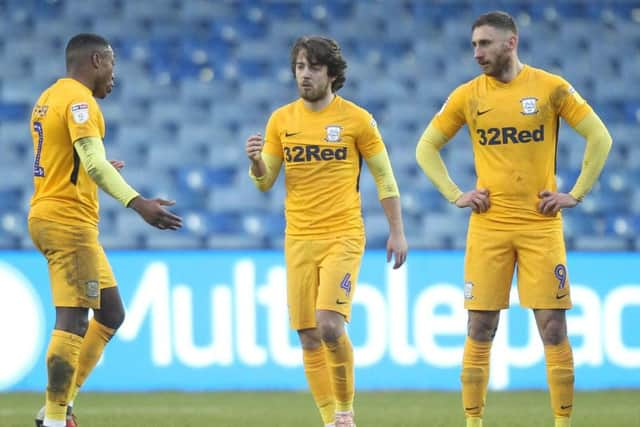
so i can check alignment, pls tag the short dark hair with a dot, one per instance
(496, 19)
(81, 44)
(323, 51)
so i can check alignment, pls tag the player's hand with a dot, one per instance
(154, 213)
(551, 202)
(397, 248)
(477, 200)
(118, 164)
(253, 147)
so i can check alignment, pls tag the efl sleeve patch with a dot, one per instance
(80, 112)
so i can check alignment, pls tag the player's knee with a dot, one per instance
(481, 330)
(331, 330)
(81, 326)
(309, 339)
(76, 325)
(111, 319)
(117, 320)
(554, 333)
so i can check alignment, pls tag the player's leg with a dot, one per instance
(106, 320)
(302, 291)
(544, 286)
(316, 371)
(73, 275)
(481, 328)
(339, 268)
(339, 353)
(62, 361)
(489, 266)
(102, 327)
(552, 325)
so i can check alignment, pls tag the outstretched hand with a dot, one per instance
(397, 249)
(551, 202)
(154, 213)
(477, 200)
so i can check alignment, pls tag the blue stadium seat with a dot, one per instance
(11, 198)
(224, 223)
(10, 111)
(194, 79)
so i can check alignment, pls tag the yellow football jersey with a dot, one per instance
(322, 153)
(64, 192)
(514, 133)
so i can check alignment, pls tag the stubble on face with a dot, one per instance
(312, 86)
(496, 58)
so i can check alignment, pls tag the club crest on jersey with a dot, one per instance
(333, 134)
(92, 288)
(468, 290)
(529, 106)
(80, 112)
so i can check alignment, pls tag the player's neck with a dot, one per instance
(511, 71)
(320, 104)
(80, 78)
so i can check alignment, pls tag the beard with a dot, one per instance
(313, 94)
(499, 66)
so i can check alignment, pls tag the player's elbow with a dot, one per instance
(422, 154)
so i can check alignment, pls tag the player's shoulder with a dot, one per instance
(467, 87)
(286, 109)
(66, 91)
(352, 109)
(545, 75)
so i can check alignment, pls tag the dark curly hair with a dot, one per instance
(323, 51)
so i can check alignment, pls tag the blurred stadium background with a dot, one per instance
(194, 79)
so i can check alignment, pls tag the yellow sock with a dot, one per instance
(62, 363)
(563, 422)
(560, 377)
(474, 378)
(93, 345)
(474, 422)
(340, 360)
(318, 377)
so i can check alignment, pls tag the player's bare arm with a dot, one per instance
(397, 247)
(551, 202)
(477, 200)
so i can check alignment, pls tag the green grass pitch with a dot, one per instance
(619, 408)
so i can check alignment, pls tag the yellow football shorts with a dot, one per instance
(78, 266)
(321, 275)
(540, 259)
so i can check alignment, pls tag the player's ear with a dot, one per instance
(96, 59)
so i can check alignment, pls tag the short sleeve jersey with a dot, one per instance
(63, 191)
(322, 152)
(513, 129)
